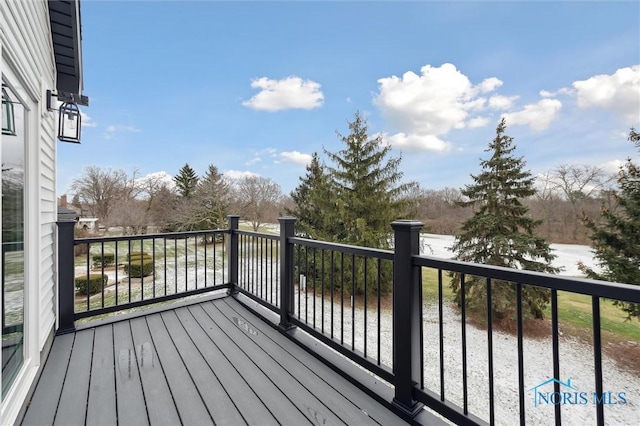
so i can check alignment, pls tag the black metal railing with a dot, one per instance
(111, 274)
(366, 304)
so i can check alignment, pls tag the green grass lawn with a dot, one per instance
(573, 309)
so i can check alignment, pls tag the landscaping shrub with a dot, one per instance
(96, 281)
(139, 268)
(136, 255)
(103, 259)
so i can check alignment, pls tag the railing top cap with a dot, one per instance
(407, 223)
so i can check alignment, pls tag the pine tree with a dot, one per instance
(186, 181)
(211, 200)
(616, 239)
(311, 198)
(367, 193)
(501, 232)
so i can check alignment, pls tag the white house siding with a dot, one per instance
(26, 47)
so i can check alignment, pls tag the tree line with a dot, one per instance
(187, 203)
(505, 217)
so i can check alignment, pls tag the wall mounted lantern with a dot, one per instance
(69, 121)
(8, 118)
(69, 118)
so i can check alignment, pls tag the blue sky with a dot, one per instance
(256, 87)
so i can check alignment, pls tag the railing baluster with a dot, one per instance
(153, 256)
(195, 260)
(102, 271)
(441, 335)
(364, 325)
(492, 417)
(322, 290)
(129, 273)
(142, 260)
(332, 277)
(520, 354)
(556, 352)
(379, 291)
(342, 298)
(597, 358)
(175, 262)
(88, 276)
(165, 264)
(465, 395)
(315, 272)
(117, 267)
(353, 301)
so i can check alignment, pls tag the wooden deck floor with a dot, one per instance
(209, 363)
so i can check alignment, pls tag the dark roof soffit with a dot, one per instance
(66, 36)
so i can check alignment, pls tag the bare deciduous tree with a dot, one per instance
(257, 198)
(577, 183)
(98, 189)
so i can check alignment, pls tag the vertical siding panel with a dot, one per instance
(27, 39)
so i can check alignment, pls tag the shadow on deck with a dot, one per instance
(207, 362)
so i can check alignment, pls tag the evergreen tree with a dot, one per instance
(501, 232)
(311, 199)
(212, 199)
(616, 239)
(367, 193)
(186, 181)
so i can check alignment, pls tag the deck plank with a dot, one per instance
(324, 382)
(72, 407)
(101, 408)
(129, 396)
(189, 404)
(244, 397)
(220, 405)
(283, 411)
(161, 407)
(49, 388)
(246, 337)
(205, 363)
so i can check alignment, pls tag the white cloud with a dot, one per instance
(537, 116)
(501, 102)
(86, 120)
(425, 107)
(490, 84)
(415, 142)
(288, 93)
(116, 128)
(477, 122)
(237, 174)
(157, 179)
(296, 157)
(253, 161)
(619, 92)
(612, 167)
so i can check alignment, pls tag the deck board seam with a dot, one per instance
(321, 378)
(93, 345)
(208, 365)
(144, 397)
(282, 366)
(115, 371)
(222, 329)
(64, 379)
(184, 365)
(230, 362)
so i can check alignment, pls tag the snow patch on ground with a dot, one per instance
(568, 255)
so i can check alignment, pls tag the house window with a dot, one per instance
(13, 255)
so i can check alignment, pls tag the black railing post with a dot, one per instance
(233, 250)
(66, 286)
(287, 230)
(407, 330)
